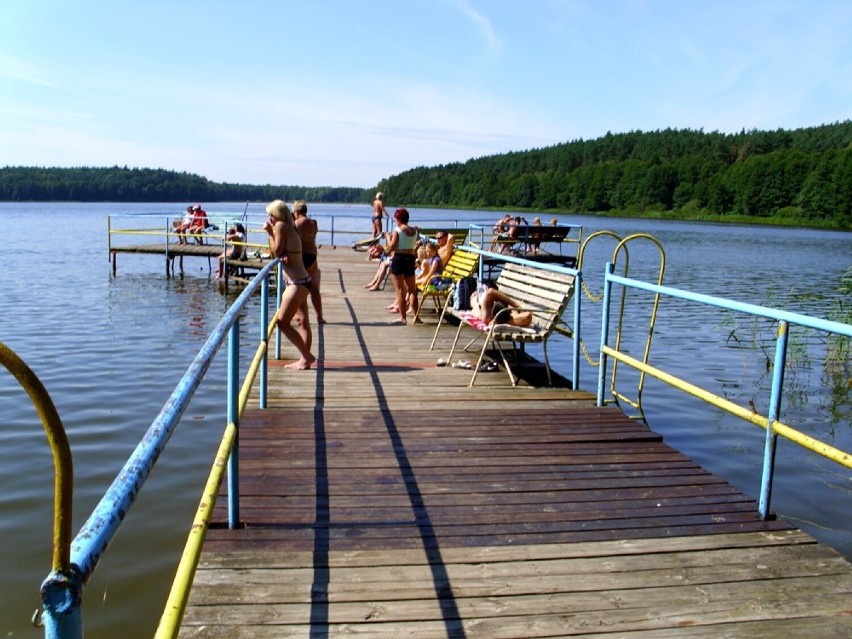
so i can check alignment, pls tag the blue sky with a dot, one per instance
(345, 93)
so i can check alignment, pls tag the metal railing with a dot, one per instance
(74, 563)
(770, 422)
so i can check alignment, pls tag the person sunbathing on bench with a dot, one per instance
(491, 301)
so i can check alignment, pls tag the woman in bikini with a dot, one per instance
(379, 212)
(284, 242)
(307, 230)
(401, 243)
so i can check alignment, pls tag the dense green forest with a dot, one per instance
(802, 176)
(118, 184)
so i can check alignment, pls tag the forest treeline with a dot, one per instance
(798, 176)
(122, 184)
(801, 176)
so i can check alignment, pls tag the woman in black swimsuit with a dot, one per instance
(284, 242)
(401, 243)
(307, 230)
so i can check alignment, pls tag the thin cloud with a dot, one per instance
(18, 70)
(483, 24)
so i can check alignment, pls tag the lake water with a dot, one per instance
(111, 349)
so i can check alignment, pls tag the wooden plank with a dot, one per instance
(383, 498)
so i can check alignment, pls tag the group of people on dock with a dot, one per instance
(415, 262)
(410, 260)
(507, 232)
(193, 224)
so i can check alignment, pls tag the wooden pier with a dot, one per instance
(211, 249)
(382, 497)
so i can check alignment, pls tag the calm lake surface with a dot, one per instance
(111, 349)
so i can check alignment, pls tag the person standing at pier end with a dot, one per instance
(379, 212)
(307, 229)
(284, 242)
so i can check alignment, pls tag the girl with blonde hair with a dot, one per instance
(284, 243)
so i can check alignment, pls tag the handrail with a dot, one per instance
(63, 615)
(61, 596)
(179, 594)
(330, 226)
(622, 248)
(771, 422)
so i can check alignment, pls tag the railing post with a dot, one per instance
(279, 292)
(225, 254)
(234, 418)
(772, 416)
(264, 338)
(575, 347)
(332, 230)
(608, 269)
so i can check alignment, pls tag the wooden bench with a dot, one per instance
(543, 293)
(461, 264)
(529, 239)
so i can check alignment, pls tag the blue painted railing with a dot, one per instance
(771, 422)
(62, 590)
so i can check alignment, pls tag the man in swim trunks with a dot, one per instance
(284, 242)
(307, 230)
(379, 212)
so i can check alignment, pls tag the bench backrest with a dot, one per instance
(543, 233)
(459, 235)
(545, 293)
(461, 264)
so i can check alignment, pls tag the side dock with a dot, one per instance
(382, 497)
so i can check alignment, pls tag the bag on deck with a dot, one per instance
(464, 289)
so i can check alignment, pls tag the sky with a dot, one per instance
(349, 92)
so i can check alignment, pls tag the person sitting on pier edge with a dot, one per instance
(235, 249)
(199, 223)
(501, 228)
(307, 229)
(182, 226)
(401, 243)
(533, 237)
(488, 301)
(284, 243)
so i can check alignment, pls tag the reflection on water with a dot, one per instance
(111, 349)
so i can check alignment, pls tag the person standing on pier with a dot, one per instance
(379, 212)
(401, 244)
(307, 229)
(284, 243)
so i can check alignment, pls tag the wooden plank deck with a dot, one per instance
(381, 497)
(211, 249)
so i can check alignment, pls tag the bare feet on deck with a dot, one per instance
(302, 364)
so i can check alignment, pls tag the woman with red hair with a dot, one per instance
(401, 243)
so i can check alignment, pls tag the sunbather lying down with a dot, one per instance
(488, 303)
